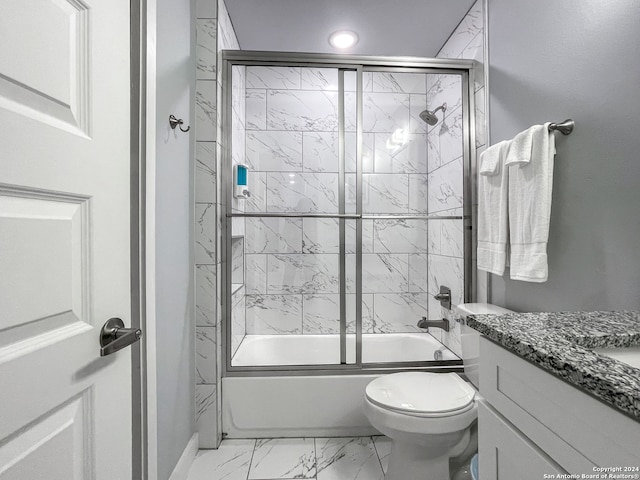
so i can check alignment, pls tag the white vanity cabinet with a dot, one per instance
(533, 424)
(506, 453)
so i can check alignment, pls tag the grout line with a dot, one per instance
(315, 456)
(252, 454)
(444, 165)
(375, 447)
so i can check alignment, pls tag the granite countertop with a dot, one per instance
(562, 343)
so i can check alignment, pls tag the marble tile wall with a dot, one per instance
(213, 33)
(207, 325)
(445, 237)
(292, 265)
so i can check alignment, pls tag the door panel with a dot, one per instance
(64, 239)
(62, 434)
(42, 229)
(45, 66)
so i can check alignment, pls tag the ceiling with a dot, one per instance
(385, 27)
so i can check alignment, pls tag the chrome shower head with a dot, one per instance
(430, 117)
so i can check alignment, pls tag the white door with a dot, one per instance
(65, 412)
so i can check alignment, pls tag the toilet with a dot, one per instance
(430, 417)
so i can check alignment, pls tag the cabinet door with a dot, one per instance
(506, 454)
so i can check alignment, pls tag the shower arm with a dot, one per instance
(442, 107)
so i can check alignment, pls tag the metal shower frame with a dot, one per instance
(358, 64)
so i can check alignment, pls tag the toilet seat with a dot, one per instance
(421, 394)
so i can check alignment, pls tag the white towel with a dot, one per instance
(520, 149)
(530, 188)
(490, 159)
(493, 193)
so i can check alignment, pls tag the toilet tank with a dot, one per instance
(471, 338)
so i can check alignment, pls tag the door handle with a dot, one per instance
(114, 336)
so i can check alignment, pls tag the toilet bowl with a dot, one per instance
(428, 416)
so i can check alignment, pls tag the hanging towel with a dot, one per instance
(530, 188)
(520, 148)
(490, 159)
(493, 185)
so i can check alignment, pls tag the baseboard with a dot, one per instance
(181, 472)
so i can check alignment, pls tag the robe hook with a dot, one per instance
(177, 122)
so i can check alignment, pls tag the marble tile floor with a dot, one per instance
(344, 458)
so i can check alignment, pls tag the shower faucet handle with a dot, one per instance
(444, 297)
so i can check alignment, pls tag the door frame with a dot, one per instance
(143, 135)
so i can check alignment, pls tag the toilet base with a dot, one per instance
(413, 461)
(408, 462)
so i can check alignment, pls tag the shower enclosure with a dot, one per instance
(357, 208)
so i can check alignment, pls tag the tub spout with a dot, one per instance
(443, 324)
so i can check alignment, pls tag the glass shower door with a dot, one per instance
(288, 235)
(353, 212)
(413, 168)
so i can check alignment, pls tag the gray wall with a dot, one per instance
(175, 322)
(549, 60)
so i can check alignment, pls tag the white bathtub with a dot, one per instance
(298, 406)
(268, 350)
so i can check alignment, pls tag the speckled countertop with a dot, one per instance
(561, 343)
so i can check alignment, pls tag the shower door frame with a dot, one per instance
(359, 64)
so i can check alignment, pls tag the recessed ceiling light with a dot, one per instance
(343, 39)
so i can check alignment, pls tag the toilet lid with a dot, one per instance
(421, 392)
